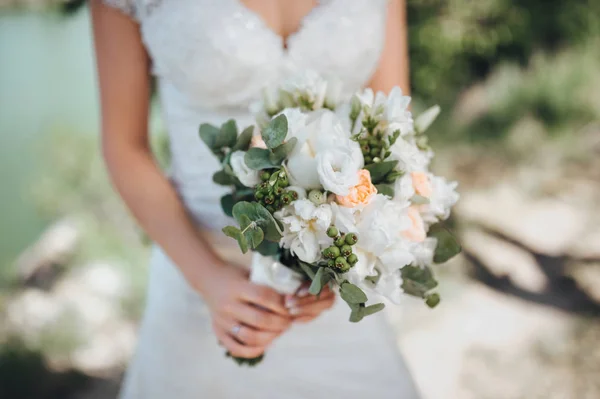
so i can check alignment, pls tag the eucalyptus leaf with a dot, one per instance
(280, 153)
(223, 178)
(419, 200)
(236, 234)
(385, 189)
(209, 134)
(274, 133)
(258, 159)
(372, 309)
(308, 269)
(352, 294)
(227, 203)
(228, 135)
(316, 286)
(268, 248)
(243, 140)
(417, 281)
(356, 315)
(447, 245)
(255, 236)
(380, 169)
(263, 218)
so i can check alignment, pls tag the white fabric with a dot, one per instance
(211, 59)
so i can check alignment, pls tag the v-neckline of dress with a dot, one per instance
(284, 41)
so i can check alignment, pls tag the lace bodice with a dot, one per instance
(213, 57)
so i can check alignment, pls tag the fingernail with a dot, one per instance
(290, 302)
(302, 292)
(294, 311)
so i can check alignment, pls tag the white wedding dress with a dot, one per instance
(211, 59)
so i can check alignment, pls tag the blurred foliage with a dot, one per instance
(454, 42)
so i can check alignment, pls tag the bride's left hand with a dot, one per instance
(304, 307)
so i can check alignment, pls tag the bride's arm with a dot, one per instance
(124, 92)
(393, 69)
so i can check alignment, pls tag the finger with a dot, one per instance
(264, 297)
(295, 301)
(259, 318)
(245, 334)
(312, 309)
(236, 348)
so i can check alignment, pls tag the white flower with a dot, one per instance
(268, 272)
(322, 133)
(442, 199)
(423, 251)
(372, 103)
(308, 87)
(296, 121)
(333, 93)
(338, 170)
(245, 175)
(410, 158)
(305, 229)
(396, 113)
(403, 188)
(390, 287)
(270, 98)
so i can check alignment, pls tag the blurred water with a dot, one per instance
(47, 84)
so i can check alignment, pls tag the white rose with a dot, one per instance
(322, 132)
(270, 273)
(442, 199)
(396, 113)
(338, 170)
(305, 229)
(245, 175)
(423, 252)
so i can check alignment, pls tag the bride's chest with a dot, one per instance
(222, 53)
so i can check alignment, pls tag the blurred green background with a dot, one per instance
(519, 85)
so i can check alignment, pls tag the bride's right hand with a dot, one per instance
(246, 317)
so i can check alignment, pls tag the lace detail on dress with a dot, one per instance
(125, 6)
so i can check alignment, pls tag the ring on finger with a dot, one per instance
(235, 330)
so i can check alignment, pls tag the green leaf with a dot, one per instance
(227, 203)
(209, 134)
(236, 234)
(316, 286)
(380, 169)
(352, 294)
(243, 141)
(308, 269)
(263, 218)
(258, 159)
(268, 248)
(228, 135)
(274, 133)
(223, 178)
(255, 236)
(356, 315)
(372, 309)
(417, 281)
(447, 245)
(385, 189)
(419, 200)
(280, 153)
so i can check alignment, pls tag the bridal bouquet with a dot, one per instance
(337, 193)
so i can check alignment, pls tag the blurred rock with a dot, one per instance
(544, 225)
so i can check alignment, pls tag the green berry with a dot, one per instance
(332, 232)
(341, 264)
(365, 148)
(294, 195)
(331, 263)
(373, 142)
(340, 241)
(326, 253)
(259, 195)
(363, 142)
(264, 176)
(346, 250)
(286, 199)
(375, 151)
(368, 159)
(279, 191)
(376, 160)
(352, 259)
(269, 199)
(351, 238)
(284, 182)
(432, 300)
(334, 251)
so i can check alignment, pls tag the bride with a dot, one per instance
(211, 59)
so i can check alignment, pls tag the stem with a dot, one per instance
(252, 225)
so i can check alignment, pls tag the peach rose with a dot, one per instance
(359, 194)
(421, 184)
(416, 232)
(257, 142)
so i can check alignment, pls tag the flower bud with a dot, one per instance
(264, 176)
(352, 259)
(376, 160)
(317, 197)
(351, 238)
(332, 232)
(340, 241)
(346, 250)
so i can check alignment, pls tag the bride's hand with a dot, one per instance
(246, 317)
(305, 307)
